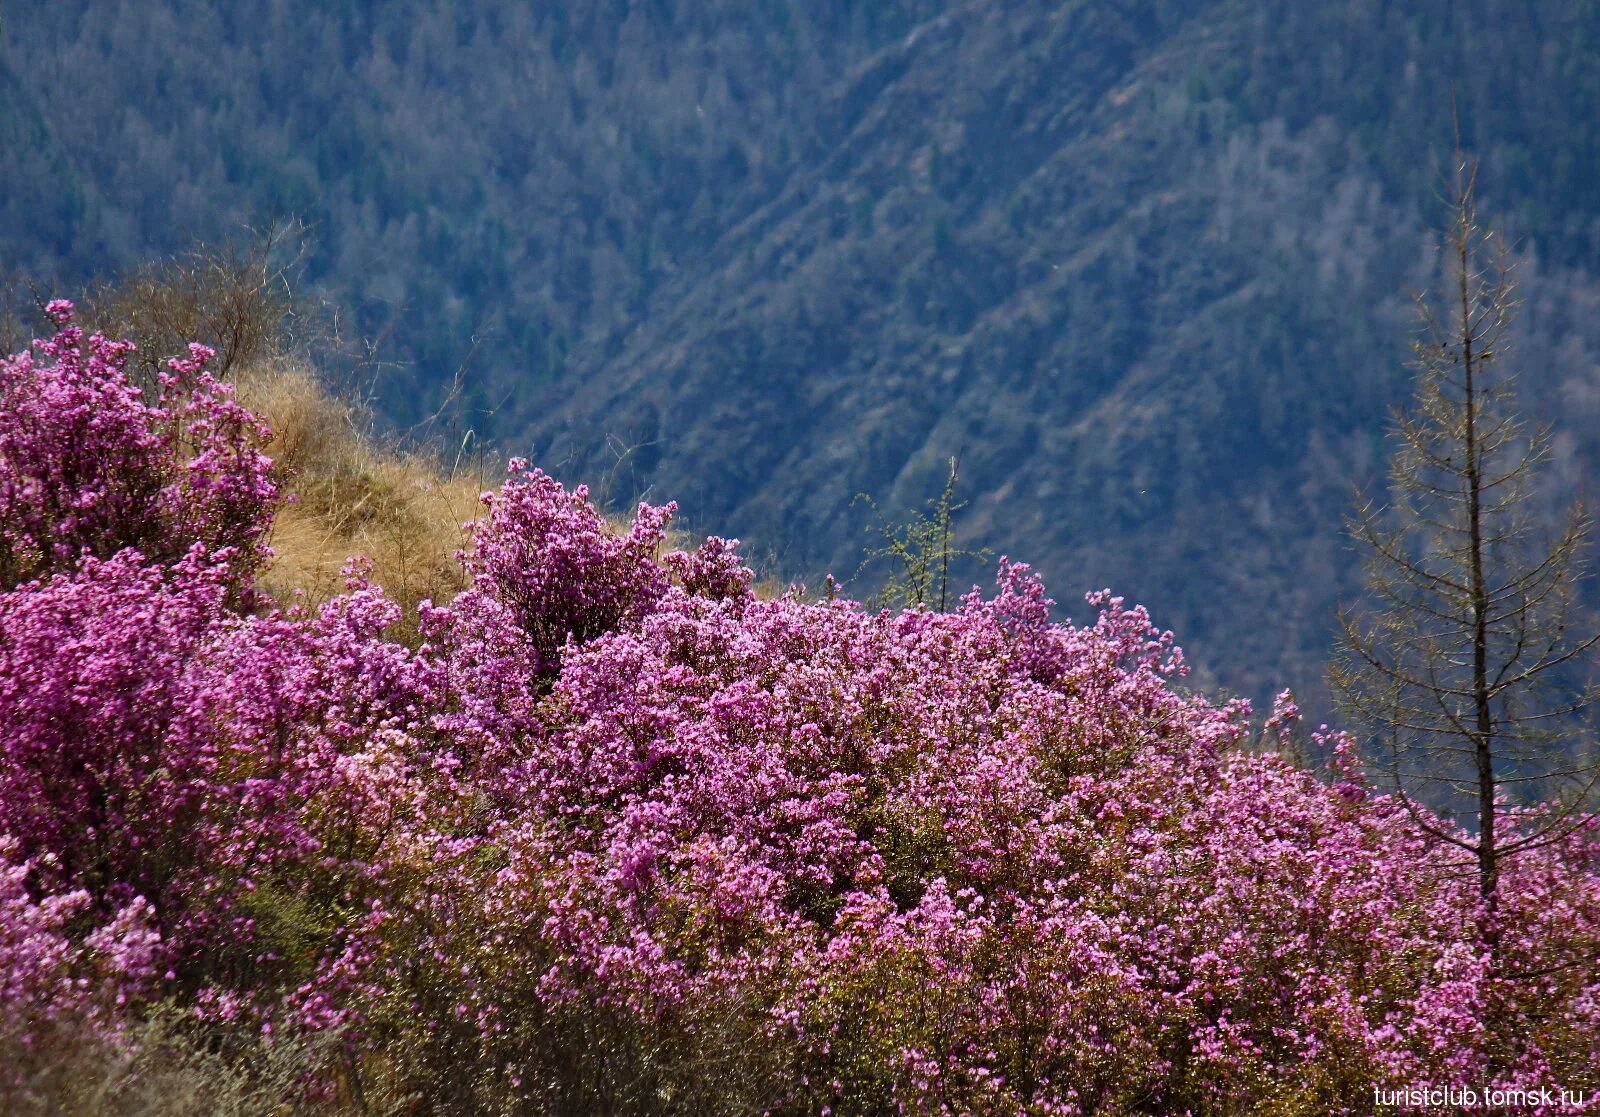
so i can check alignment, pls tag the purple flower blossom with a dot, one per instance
(969, 862)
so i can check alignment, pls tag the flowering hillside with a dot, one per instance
(613, 834)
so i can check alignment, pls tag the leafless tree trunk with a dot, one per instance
(1463, 661)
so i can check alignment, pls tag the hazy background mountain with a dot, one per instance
(1144, 267)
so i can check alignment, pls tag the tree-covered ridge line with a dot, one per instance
(606, 830)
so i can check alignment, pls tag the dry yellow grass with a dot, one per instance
(351, 497)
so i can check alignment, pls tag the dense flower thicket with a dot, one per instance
(86, 467)
(53, 973)
(622, 836)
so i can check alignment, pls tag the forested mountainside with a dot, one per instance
(1144, 267)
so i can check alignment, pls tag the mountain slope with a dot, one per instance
(1144, 268)
(1162, 336)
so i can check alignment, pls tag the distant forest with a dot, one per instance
(1146, 269)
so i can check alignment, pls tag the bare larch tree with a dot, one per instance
(1463, 661)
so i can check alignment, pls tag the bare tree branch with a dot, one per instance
(1467, 659)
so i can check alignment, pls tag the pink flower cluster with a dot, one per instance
(621, 830)
(86, 467)
(55, 975)
(986, 862)
(549, 556)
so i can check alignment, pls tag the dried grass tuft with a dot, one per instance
(403, 511)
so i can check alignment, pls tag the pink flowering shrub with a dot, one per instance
(104, 773)
(714, 569)
(322, 782)
(965, 863)
(88, 468)
(57, 976)
(623, 836)
(242, 774)
(549, 556)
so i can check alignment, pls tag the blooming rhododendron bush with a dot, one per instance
(622, 836)
(975, 862)
(87, 467)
